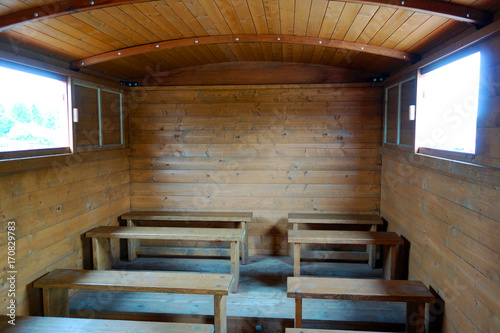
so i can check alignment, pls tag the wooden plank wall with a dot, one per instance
(266, 149)
(53, 202)
(450, 213)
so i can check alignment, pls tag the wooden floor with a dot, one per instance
(260, 299)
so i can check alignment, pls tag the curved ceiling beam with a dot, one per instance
(438, 8)
(62, 8)
(285, 39)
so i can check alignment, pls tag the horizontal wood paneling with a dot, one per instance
(449, 212)
(266, 149)
(53, 202)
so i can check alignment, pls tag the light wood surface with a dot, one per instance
(83, 325)
(188, 216)
(298, 218)
(344, 237)
(102, 236)
(359, 289)
(315, 330)
(168, 233)
(138, 281)
(414, 293)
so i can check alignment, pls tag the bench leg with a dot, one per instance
(296, 259)
(55, 302)
(132, 244)
(235, 265)
(389, 267)
(298, 313)
(415, 317)
(220, 321)
(371, 249)
(101, 252)
(244, 244)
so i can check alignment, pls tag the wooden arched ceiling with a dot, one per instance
(129, 38)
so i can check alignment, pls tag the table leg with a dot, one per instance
(220, 320)
(298, 313)
(371, 249)
(415, 317)
(235, 264)
(132, 244)
(55, 302)
(296, 259)
(101, 252)
(244, 243)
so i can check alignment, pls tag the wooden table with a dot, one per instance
(243, 218)
(101, 237)
(298, 237)
(56, 285)
(373, 221)
(26, 324)
(414, 293)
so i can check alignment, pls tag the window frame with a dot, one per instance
(399, 84)
(41, 152)
(99, 89)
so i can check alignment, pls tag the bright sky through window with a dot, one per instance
(33, 111)
(447, 105)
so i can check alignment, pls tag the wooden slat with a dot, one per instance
(334, 218)
(343, 237)
(82, 325)
(188, 216)
(186, 283)
(359, 289)
(246, 38)
(168, 233)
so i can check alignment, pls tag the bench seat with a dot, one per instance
(414, 293)
(298, 237)
(56, 284)
(102, 251)
(28, 324)
(243, 218)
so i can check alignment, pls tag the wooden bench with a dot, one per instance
(298, 237)
(315, 330)
(343, 219)
(57, 283)
(81, 325)
(414, 293)
(243, 218)
(101, 237)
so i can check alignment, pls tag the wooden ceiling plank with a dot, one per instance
(228, 52)
(113, 27)
(46, 11)
(267, 50)
(86, 33)
(332, 16)
(200, 14)
(75, 36)
(390, 26)
(277, 52)
(410, 25)
(287, 12)
(316, 17)
(244, 16)
(359, 24)
(376, 23)
(185, 15)
(169, 15)
(287, 52)
(216, 16)
(155, 17)
(105, 33)
(121, 21)
(425, 33)
(302, 11)
(242, 39)
(272, 9)
(437, 8)
(227, 10)
(297, 52)
(217, 52)
(349, 13)
(258, 14)
(139, 14)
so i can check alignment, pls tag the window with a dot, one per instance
(399, 99)
(447, 105)
(100, 120)
(34, 117)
